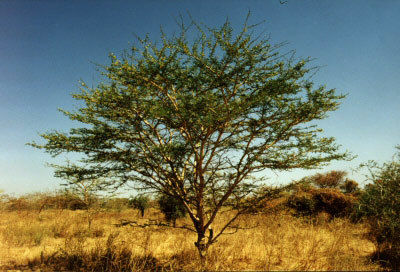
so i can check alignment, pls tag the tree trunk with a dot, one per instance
(89, 219)
(202, 247)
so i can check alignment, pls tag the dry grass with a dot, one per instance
(59, 238)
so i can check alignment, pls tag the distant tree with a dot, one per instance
(81, 185)
(332, 179)
(139, 202)
(172, 208)
(195, 118)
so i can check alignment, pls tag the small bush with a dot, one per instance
(172, 208)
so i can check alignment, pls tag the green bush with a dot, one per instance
(380, 204)
(139, 202)
(172, 208)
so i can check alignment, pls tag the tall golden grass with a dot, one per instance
(59, 239)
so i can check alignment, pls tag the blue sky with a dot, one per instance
(47, 46)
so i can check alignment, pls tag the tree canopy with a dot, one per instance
(196, 118)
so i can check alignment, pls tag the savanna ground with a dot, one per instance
(56, 239)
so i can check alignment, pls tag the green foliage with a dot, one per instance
(380, 204)
(171, 208)
(140, 202)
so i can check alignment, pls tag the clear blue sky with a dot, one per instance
(47, 46)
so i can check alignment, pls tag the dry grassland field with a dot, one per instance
(56, 239)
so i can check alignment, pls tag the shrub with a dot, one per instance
(380, 204)
(139, 202)
(303, 203)
(350, 186)
(77, 205)
(68, 200)
(333, 202)
(314, 201)
(18, 204)
(172, 208)
(51, 202)
(60, 200)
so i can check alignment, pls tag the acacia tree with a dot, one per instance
(196, 118)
